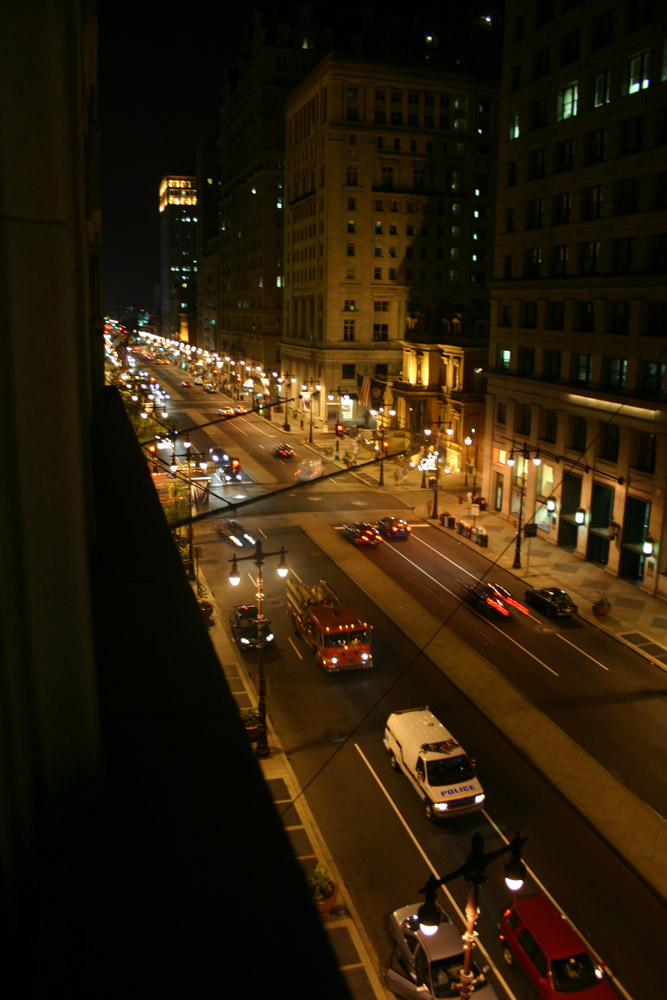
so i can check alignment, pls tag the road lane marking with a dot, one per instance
(432, 867)
(452, 594)
(583, 653)
(452, 901)
(293, 645)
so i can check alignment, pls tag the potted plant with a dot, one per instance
(322, 887)
(251, 721)
(601, 606)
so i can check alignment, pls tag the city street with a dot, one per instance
(331, 727)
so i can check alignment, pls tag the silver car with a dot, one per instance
(426, 967)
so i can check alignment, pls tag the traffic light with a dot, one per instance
(339, 430)
(236, 465)
(385, 445)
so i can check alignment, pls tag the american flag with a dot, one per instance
(364, 390)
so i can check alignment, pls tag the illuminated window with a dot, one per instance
(568, 102)
(638, 78)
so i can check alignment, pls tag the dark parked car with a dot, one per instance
(428, 966)
(243, 621)
(284, 450)
(538, 939)
(233, 532)
(394, 528)
(362, 533)
(553, 601)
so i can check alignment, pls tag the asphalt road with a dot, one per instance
(331, 728)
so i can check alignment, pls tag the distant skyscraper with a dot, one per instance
(178, 209)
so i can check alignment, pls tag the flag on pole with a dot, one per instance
(364, 390)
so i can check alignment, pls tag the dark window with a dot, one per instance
(348, 371)
(615, 372)
(526, 360)
(562, 211)
(652, 378)
(559, 257)
(550, 428)
(555, 318)
(564, 155)
(621, 256)
(507, 266)
(529, 315)
(541, 62)
(658, 258)
(646, 452)
(593, 200)
(544, 12)
(506, 316)
(596, 144)
(522, 419)
(579, 434)
(538, 113)
(532, 262)
(602, 30)
(350, 250)
(569, 47)
(620, 317)
(630, 135)
(511, 174)
(551, 361)
(590, 257)
(534, 213)
(656, 320)
(537, 164)
(660, 189)
(516, 77)
(501, 413)
(582, 368)
(627, 193)
(584, 317)
(509, 220)
(380, 331)
(608, 443)
(351, 176)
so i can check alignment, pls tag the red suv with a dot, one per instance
(538, 939)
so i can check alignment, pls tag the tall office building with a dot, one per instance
(389, 173)
(577, 395)
(251, 153)
(178, 218)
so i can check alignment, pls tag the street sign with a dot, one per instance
(530, 531)
(474, 509)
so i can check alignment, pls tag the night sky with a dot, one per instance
(160, 79)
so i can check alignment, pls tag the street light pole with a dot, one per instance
(473, 870)
(467, 442)
(522, 490)
(191, 562)
(262, 749)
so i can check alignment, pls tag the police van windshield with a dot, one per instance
(449, 770)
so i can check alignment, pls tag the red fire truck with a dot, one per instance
(336, 633)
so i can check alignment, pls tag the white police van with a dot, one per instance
(437, 766)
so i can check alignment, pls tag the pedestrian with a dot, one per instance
(405, 474)
(397, 475)
(301, 423)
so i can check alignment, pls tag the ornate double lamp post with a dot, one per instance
(473, 870)
(262, 748)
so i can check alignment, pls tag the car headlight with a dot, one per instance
(249, 538)
(244, 641)
(334, 660)
(269, 638)
(479, 798)
(441, 806)
(235, 540)
(364, 656)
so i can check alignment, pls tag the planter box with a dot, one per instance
(601, 610)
